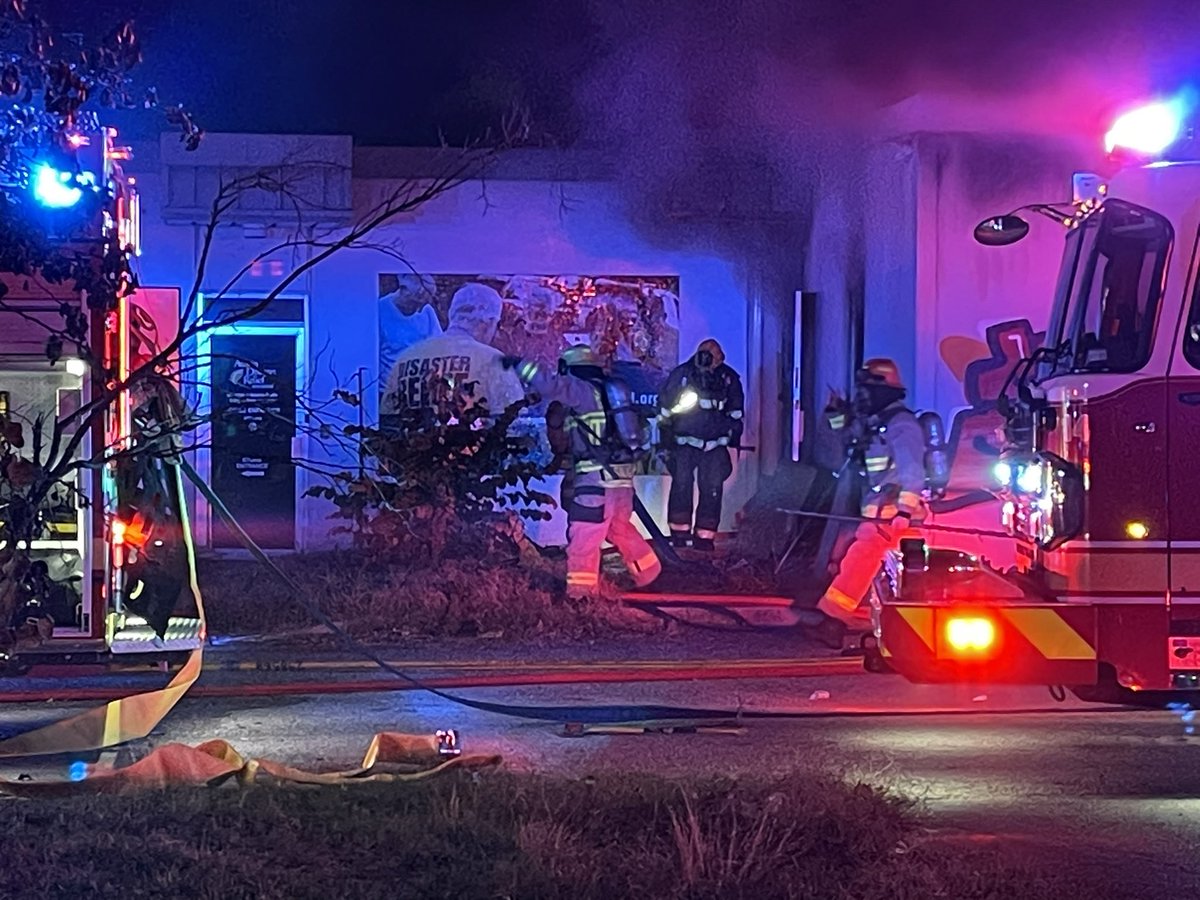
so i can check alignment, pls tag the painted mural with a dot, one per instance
(631, 321)
(981, 367)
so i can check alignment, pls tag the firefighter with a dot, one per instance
(700, 420)
(891, 448)
(606, 437)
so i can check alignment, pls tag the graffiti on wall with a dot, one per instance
(982, 367)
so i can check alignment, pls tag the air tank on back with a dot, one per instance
(937, 457)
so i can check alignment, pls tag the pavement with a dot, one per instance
(1112, 793)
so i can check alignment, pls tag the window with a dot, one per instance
(1191, 335)
(1117, 289)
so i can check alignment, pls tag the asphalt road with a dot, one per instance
(1111, 793)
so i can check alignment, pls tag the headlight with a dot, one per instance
(1029, 478)
(1002, 472)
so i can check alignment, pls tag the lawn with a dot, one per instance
(499, 835)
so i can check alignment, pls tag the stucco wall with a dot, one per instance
(962, 286)
(523, 227)
(890, 228)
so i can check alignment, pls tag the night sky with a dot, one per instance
(386, 72)
(588, 70)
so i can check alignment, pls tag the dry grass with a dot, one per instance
(501, 836)
(381, 600)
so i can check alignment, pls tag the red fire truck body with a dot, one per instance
(82, 541)
(1100, 482)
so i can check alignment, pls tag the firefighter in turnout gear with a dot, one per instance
(700, 420)
(607, 441)
(889, 444)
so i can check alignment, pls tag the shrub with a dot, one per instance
(426, 482)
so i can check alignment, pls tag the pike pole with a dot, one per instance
(919, 526)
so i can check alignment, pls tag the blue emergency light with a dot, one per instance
(56, 189)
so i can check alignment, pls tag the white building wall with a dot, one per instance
(900, 234)
(962, 286)
(523, 227)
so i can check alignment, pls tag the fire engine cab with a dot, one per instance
(109, 538)
(1099, 481)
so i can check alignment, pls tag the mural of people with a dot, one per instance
(406, 315)
(461, 363)
(632, 322)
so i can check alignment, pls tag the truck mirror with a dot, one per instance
(1000, 231)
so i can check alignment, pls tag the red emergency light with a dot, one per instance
(1149, 130)
(970, 636)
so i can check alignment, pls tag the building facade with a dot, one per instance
(884, 254)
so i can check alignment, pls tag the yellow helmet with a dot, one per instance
(716, 356)
(579, 355)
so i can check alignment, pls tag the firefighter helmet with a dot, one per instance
(709, 354)
(579, 355)
(881, 371)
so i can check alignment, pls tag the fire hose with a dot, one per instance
(770, 669)
(212, 763)
(129, 718)
(578, 719)
(125, 718)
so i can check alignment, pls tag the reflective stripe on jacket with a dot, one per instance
(699, 444)
(586, 423)
(895, 466)
(718, 408)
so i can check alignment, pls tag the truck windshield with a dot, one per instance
(1109, 290)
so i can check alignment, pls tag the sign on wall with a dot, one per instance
(254, 421)
(631, 321)
(153, 325)
(983, 367)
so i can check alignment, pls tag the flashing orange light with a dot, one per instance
(118, 532)
(1139, 531)
(970, 635)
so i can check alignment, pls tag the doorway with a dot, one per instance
(251, 376)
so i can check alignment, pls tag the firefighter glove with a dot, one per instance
(509, 362)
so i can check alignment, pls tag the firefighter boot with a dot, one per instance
(679, 539)
(703, 543)
(829, 631)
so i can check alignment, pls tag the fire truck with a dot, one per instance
(107, 569)
(1098, 482)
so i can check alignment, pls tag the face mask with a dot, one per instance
(877, 397)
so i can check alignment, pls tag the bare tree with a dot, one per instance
(83, 273)
(46, 462)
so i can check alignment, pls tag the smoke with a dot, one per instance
(749, 64)
(754, 126)
(691, 91)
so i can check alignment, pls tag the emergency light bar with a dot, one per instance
(1149, 130)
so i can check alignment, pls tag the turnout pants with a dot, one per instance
(858, 569)
(598, 513)
(689, 466)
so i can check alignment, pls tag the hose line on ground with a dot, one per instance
(574, 715)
